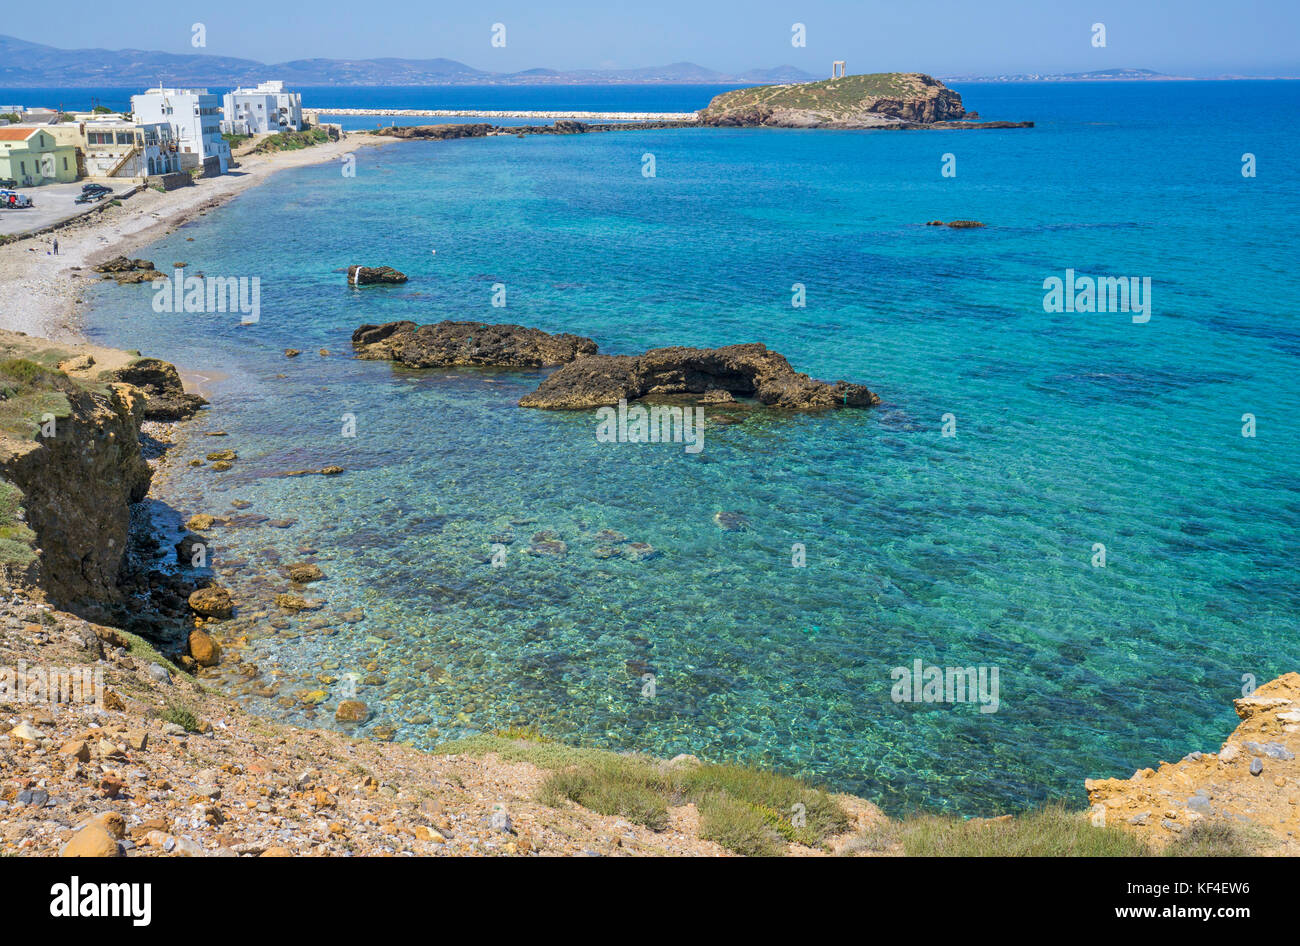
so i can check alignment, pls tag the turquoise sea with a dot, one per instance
(976, 550)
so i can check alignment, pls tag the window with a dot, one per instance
(65, 164)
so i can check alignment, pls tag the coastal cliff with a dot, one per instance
(71, 464)
(877, 100)
(1253, 780)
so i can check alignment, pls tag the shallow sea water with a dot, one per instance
(976, 550)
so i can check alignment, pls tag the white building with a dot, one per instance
(195, 117)
(266, 108)
(121, 148)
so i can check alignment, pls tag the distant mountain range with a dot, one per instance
(1094, 75)
(33, 65)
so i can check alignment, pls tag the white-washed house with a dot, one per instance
(264, 108)
(195, 118)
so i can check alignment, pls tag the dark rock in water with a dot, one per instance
(475, 130)
(544, 545)
(374, 275)
(128, 270)
(639, 551)
(450, 344)
(730, 521)
(606, 551)
(749, 370)
(164, 395)
(186, 548)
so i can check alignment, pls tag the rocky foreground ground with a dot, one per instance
(169, 767)
(1252, 780)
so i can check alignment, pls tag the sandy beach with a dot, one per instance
(43, 290)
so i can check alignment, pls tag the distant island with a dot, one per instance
(34, 65)
(1097, 75)
(874, 100)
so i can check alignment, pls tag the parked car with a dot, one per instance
(95, 189)
(11, 198)
(8, 182)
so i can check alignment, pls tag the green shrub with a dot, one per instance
(740, 827)
(626, 787)
(782, 796)
(1053, 831)
(182, 716)
(1216, 838)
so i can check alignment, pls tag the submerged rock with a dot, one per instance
(481, 344)
(205, 651)
(304, 572)
(730, 521)
(352, 711)
(212, 602)
(749, 370)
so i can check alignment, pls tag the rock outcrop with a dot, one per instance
(127, 271)
(165, 397)
(76, 488)
(374, 276)
(481, 344)
(747, 370)
(1254, 778)
(436, 132)
(878, 100)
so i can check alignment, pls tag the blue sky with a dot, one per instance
(1192, 37)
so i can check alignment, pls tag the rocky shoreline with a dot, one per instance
(168, 765)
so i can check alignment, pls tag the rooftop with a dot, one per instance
(18, 132)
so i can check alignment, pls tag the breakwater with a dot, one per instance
(548, 116)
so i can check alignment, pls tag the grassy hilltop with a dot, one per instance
(873, 99)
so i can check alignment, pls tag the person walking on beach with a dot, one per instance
(56, 246)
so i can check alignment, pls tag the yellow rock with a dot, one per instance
(113, 823)
(77, 749)
(200, 522)
(25, 732)
(109, 749)
(205, 651)
(93, 840)
(352, 711)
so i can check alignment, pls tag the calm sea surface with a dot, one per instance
(1072, 429)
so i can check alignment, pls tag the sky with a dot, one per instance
(944, 37)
